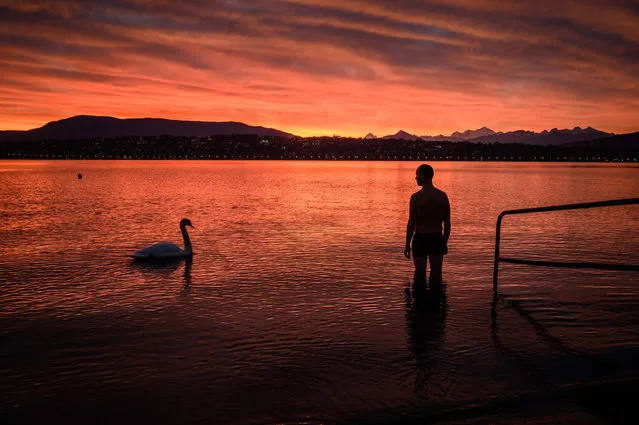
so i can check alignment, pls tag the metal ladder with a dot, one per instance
(576, 265)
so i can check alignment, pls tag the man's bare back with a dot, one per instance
(431, 208)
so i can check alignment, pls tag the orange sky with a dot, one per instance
(315, 67)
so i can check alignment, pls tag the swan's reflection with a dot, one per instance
(426, 311)
(188, 265)
(167, 268)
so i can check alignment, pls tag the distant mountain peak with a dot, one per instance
(401, 134)
(370, 136)
(471, 134)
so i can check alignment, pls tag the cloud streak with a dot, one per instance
(324, 66)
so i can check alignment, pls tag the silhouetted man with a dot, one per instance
(429, 210)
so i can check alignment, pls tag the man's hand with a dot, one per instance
(407, 251)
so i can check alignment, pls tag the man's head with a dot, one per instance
(424, 174)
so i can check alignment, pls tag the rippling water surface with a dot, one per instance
(295, 307)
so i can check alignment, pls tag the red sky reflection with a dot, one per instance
(324, 66)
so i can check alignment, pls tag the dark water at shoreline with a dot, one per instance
(294, 306)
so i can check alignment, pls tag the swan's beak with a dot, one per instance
(191, 226)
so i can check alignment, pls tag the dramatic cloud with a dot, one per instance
(324, 66)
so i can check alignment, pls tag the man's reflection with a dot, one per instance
(425, 322)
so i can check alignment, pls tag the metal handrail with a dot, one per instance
(612, 203)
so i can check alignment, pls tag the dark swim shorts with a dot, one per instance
(428, 243)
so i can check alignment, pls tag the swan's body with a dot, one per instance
(165, 250)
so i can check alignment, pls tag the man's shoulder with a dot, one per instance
(441, 196)
(440, 192)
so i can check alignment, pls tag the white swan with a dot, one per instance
(165, 250)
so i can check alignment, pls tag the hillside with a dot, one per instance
(618, 142)
(90, 127)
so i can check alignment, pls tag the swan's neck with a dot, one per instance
(187, 240)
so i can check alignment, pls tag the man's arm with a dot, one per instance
(410, 227)
(447, 221)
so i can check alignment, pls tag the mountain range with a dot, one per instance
(486, 135)
(91, 127)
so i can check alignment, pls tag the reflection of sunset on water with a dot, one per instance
(297, 289)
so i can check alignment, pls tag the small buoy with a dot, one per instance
(79, 176)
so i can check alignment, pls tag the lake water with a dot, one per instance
(294, 308)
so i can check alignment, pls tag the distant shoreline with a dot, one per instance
(253, 147)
